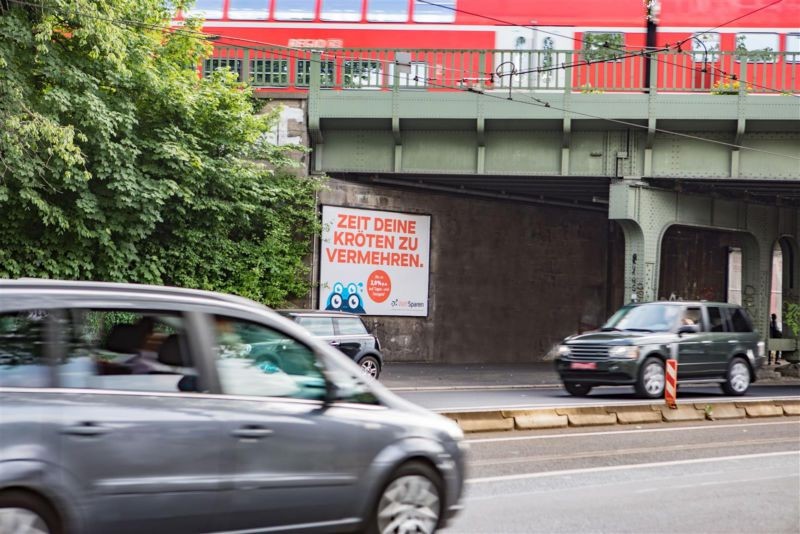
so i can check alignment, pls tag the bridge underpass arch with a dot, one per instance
(784, 278)
(654, 211)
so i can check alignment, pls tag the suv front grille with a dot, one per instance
(588, 352)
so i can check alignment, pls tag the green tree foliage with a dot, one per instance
(118, 162)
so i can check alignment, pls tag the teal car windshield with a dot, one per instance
(644, 318)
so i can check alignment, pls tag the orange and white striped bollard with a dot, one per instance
(671, 386)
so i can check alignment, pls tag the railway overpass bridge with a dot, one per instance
(707, 148)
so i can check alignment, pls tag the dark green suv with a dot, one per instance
(713, 342)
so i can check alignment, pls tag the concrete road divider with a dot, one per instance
(541, 418)
(682, 412)
(791, 408)
(631, 415)
(482, 421)
(762, 409)
(588, 416)
(718, 411)
(536, 419)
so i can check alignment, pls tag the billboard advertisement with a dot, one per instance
(374, 262)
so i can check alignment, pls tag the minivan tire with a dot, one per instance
(651, 380)
(576, 389)
(26, 504)
(737, 378)
(423, 476)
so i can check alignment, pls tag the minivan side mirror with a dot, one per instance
(688, 329)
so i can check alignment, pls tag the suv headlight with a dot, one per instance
(624, 351)
(762, 349)
(563, 350)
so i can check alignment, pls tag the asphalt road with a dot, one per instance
(724, 477)
(486, 399)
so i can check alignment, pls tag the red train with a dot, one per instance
(718, 35)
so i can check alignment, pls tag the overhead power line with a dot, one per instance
(122, 23)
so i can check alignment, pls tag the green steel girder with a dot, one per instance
(407, 131)
(646, 213)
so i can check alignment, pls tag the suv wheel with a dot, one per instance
(23, 513)
(737, 379)
(652, 379)
(576, 389)
(411, 502)
(370, 366)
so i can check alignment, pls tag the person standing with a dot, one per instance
(775, 332)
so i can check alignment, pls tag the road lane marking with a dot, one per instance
(638, 450)
(712, 483)
(662, 483)
(619, 432)
(605, 468)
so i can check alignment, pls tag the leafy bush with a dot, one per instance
(118, 162)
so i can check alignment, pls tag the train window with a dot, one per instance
(705, 47)
(387, 10)
(425, 12)
(270, 72)
(303, 74)
(362, 73)
(209, 9)
(343, 10)
(793, 48)
(248, 9)
(603, 46)
(294, 9)
(214, 64)
(757, 47)
(417, 77)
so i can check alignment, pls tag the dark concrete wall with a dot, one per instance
(694, 263)
(507, 281)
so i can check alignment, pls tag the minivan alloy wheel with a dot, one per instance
(409, 504)
(21, 521)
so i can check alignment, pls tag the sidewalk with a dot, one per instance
(421, 376)
(411, 376)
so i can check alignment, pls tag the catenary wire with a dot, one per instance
(535, 101)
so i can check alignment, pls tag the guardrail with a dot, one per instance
(533, 70)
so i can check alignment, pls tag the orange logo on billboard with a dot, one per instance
(379, 286)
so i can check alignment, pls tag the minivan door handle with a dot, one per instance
(251, 432)
(335, 343)
(86, 429)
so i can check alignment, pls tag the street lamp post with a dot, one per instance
(653, 10)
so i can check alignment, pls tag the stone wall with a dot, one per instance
(507, 280)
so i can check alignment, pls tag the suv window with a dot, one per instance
(23, 360)
(349, 326)
(739, 320)
(717, 322)
(124, 350)
(256, 360)
(693, 316)
(319, 326)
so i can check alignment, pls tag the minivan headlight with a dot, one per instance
(624, 351)
(563, 350)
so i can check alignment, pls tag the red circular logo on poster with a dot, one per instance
(379, 285)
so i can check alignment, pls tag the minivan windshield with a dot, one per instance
(644, 318)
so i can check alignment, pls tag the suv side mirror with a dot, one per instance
(688, 329)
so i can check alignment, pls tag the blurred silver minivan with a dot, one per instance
(128, 408)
